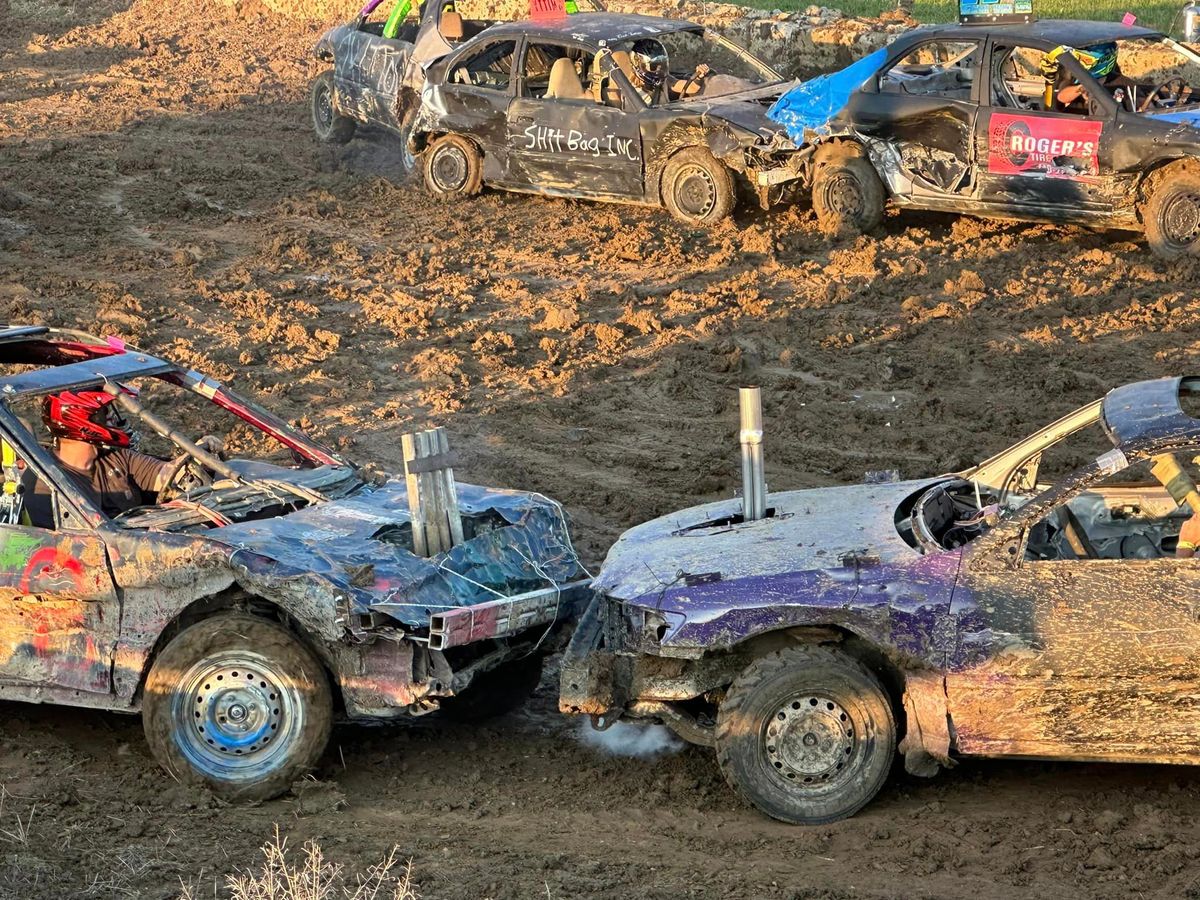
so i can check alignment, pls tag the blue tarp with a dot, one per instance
(810, 105)
(1184, 117)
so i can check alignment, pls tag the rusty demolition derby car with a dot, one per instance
(1072, 121)
(1032, 606)
(252, 600)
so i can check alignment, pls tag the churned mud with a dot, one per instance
(159, 181)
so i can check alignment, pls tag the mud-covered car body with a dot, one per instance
(968, 131)
(88, 601)
(376, 78)
(610, 143)
(1006, 615)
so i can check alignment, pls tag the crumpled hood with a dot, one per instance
(810, 530)
(749, 115)
(1189, 116)
(361, 546)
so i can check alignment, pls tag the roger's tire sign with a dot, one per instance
(1036, 145)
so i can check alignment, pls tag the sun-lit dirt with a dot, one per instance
(159, 181)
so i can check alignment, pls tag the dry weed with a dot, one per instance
(314, 877)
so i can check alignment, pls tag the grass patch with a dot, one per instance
(42, 12)
(1153, 15)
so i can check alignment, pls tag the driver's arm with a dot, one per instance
(147, 472)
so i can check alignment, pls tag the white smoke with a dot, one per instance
(627, 739)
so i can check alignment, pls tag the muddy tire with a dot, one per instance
(696, 188)
(807, 735)
(847, 195)
(453, 165)
(1172, 216)
(497, 692)
(329, 125)
(239, 704)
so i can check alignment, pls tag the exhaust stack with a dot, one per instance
(754, 479)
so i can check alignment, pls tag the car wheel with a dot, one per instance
(239, 704)
(497, 692)
(847, 195)
(1172, 216)
(696, 188)
(330, 126)
(453, 166)
(806, 734)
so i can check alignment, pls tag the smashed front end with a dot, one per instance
(401, 631)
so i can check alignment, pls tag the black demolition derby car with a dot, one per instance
(599, 105)
(1087, 122)
(241, 604)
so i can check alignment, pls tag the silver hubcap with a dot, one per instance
(236, 715)
(810, 740)
(449, 169)
(695, 191)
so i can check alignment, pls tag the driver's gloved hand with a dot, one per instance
(213, 445)
(1189, 535)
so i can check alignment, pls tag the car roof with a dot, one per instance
(1146, 417)
(1072, 32)
(595, 26)
(68, 360)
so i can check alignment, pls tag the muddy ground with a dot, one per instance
(158, 180)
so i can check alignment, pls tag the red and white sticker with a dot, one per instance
(1032, 145)
(541, 10)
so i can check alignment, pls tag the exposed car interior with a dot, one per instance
(557, 72)
(944, 68)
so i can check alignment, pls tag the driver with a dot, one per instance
(648, 60)
(94, 443)
(1100, 61)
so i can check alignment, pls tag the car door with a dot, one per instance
(59, 611)
(475, 96)
(1080, 652)
(1054, 162)
(581, 146)
(921, 108)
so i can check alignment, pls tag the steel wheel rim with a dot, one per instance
(695, 191)
(236, 714)
(843, 195)
(449, 169)
(1181, 219)
(809, 742)
(325, 107)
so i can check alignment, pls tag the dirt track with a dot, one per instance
(159, 181)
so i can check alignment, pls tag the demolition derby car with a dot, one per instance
(1035, 605)
(1088, 122)
(240, 604)
(598, 105)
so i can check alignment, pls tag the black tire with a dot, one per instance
(329, 125)
(847, 195)
(497, 692)
(807, 735)
(453, 165)
(697, 188)
(1172, 216)
(239, 704)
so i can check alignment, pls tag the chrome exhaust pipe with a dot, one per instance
(754, 479)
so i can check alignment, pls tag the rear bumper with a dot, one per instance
(589, 672)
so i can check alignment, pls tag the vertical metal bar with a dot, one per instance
(452, 513)
(412, 481)
(754, 486)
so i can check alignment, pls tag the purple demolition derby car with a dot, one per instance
(242, 604)
(1036, 605)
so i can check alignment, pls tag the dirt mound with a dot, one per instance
(160, 183)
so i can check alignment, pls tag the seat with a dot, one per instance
(564, 81)
(450, 26)
(611, 93)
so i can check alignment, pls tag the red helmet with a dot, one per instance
(87, 416)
